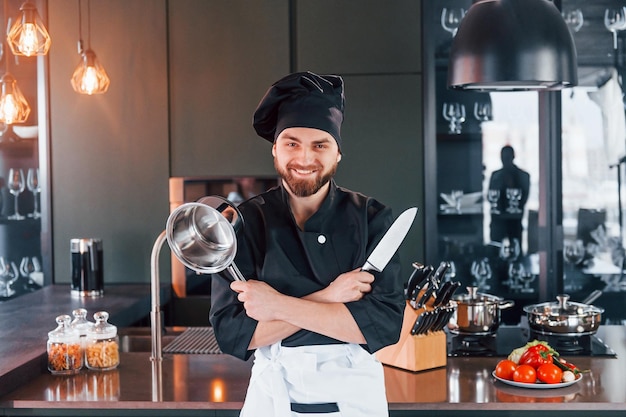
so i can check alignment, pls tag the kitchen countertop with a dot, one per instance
(26, 320)
(216, 384)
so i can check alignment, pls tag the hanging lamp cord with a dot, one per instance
(5, 45)
(80, 29)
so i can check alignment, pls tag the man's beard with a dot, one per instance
(304, 188)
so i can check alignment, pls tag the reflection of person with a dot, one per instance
(245, 190)
(312, 318)
(506, 221)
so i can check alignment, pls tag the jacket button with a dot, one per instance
(321, 239)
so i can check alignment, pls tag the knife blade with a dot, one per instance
(389, 244)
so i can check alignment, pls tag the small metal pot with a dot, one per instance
(564, 317)
(478, 313)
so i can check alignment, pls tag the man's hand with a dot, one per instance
(347, 287)
(259, 299)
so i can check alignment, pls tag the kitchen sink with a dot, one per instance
(179, 340)
(139, 339)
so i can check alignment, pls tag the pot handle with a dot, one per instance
(502, 304)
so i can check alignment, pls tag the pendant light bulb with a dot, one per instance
(28, 35)
(90, 76)
(13, 106)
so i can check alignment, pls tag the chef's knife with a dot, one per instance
(428, 271)
(416, 277)
(426, 295)
(419, 322)
(445, 315)
(389, 244)
(445, 299)
(441, 292)
(428, 324)
(439, 313)
(440, 272)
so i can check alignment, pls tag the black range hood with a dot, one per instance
(512, 45)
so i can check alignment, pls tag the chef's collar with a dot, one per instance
(302, 99)
(315, 221)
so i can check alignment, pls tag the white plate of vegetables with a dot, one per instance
(536, 365)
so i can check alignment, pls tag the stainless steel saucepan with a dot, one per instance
(478, 313)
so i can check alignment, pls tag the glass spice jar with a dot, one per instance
(80, 322)
(82, 325)
(102, 344)
(65, 352)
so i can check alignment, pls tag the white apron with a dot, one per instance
(327, 380)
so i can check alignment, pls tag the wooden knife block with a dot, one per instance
(415, 353)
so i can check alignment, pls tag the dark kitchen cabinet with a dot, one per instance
(223, 56)
(249, 46)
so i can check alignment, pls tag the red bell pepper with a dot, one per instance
(536, 356)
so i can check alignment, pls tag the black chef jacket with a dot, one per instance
(336, 239)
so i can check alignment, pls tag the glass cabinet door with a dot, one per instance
(23, 152)
(487, 174)
(489, 167)
(594, 146)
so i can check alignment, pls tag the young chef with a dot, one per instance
(312, 318)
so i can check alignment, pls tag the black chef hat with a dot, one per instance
(302, 99)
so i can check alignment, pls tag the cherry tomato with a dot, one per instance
(525, 373)
(505, 369)
(536, 356)
(549, 373)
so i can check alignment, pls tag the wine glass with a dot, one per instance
(481, 270)
(457, 196)
(451, 271)
(513, 196)
(574, 252)
(574, 19)
(28, 265)
(451, 19)
(16, 187)
(482, 112)
(9, 273)
(32, 182)
(455, 114)
(515, 272)
(493, 196)
(615, 21)
(5, 289)
(527, 278)
(509, 249)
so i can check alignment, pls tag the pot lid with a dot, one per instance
(563, 307)
(474, 297)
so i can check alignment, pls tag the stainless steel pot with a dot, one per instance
(564, 317)
(478, 313)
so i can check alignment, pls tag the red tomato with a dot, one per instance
(549, 373)
(525, 373)
(505, 369)
(536, 356)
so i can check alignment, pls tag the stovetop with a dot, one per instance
(508, 338)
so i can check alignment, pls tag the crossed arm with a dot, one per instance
(323, 312)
